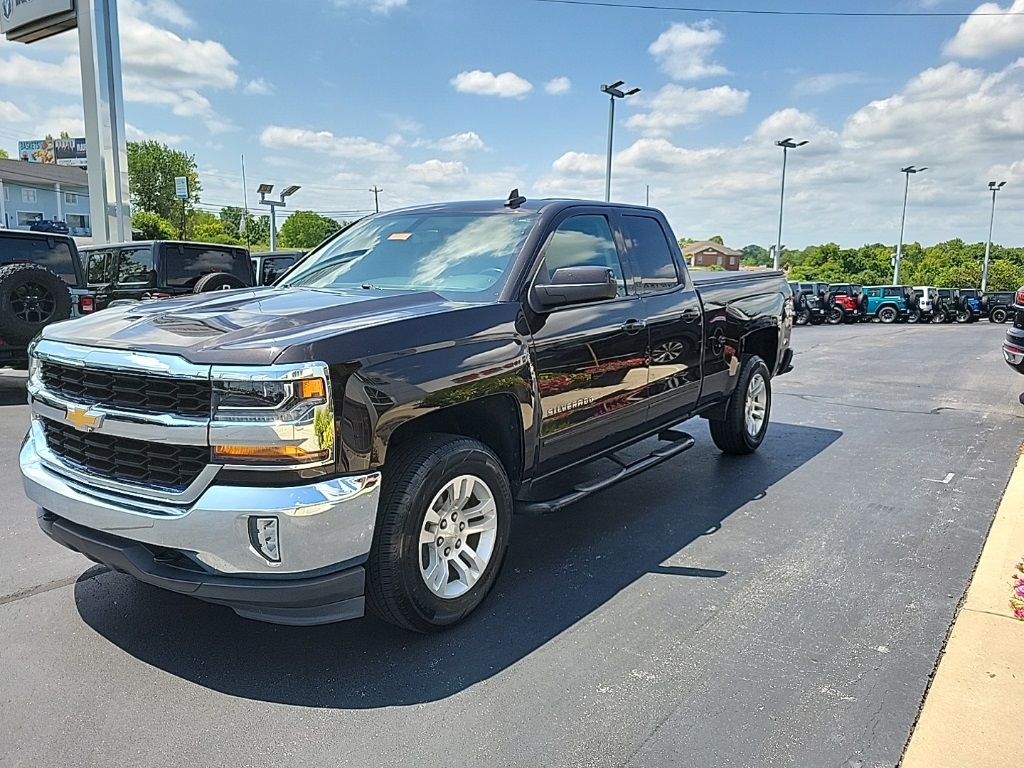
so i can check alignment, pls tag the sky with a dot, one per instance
(432, 100)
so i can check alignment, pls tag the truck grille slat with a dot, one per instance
(128, 391)
(153, 464)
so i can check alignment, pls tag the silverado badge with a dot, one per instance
(82, 420)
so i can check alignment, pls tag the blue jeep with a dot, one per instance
(972, 301)
(889, 303)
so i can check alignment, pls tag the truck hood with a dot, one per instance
(244, 327)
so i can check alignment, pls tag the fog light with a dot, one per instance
(263, 535)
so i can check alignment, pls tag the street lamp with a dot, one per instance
(995, 187)
(899, 248)
(786, 144)
(614, 92)
(266, 189)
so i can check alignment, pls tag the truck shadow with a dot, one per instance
(559, 569)
(12, 390)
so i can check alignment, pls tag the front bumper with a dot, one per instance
(208, 549)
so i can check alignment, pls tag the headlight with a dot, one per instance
(272, 417)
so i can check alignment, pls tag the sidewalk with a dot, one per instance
(971, 715)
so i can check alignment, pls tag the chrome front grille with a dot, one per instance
(159, 465)
(128, 391)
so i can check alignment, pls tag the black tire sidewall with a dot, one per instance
(470, 458)
(998, 315)
(15, 330)
(216, 282)
(888, 310)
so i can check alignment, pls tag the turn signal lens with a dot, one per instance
(308, 389)
(285, 454)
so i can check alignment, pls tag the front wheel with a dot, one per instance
(443, 526)
(743, 427)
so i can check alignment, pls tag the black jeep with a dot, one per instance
(41, 282)
(122, 273)
(1000, 306)
(811, 302)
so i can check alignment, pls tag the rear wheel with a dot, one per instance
(888, 314)
(743, 427)
(836, 315)
(442, 529)
(914, 316)
(938, 317)
(802, 317)
(963, 316)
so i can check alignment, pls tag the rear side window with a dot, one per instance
(15, 250)
(184, 267)
(135, 267)
(652, 257)
(873, 292)
(274, 267)
(892, 292)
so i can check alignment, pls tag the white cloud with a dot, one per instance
(9, 113)
(682, 51)
(675, 106)
(815, 85)
(377, 6)
(461, 142)
(985, 33)
(348, 147)
(507, 84)
(169, 11)
(61, 118)
(138, 134)
(558, 86)
(21, 71)
(258, 87)
(438, 172)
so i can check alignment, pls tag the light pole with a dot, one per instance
(786, 144)
(266, 189)
(899, 248)
(995, 187)
(614, 92)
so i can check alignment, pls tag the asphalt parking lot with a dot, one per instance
(784, 609)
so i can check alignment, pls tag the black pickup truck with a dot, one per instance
(365, 430)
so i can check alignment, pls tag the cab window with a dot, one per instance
(651, 255)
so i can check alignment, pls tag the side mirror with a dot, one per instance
(574, 285)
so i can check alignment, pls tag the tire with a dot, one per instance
(31, 297)
(998, 315)
(217, 281)
(734, 434)
(963, 316)
(888, 314)
(836, 315)
(914, 316)
(938, 317)
(802, 317)
(418, 476)
(863, 303)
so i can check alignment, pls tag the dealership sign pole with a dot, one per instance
(29, 20)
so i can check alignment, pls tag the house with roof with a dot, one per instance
(708, 253)
(31, 192)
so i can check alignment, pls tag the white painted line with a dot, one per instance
(949, 477)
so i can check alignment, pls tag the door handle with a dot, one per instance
(690, 315)
(634, 326)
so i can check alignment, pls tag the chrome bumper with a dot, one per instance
(319, 525)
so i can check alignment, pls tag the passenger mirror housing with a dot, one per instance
(574, 285)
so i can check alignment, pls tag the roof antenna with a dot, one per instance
(514, 199)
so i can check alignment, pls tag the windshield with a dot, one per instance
(458, 253)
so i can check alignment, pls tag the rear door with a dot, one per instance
(673, 319)
(134, 272)
(590, 359)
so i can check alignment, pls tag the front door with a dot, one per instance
(591, 359)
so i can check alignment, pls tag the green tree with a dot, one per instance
(716, 239)
(152, 168)
(255, 231)
(205, 227)
(756, 256)
(306, 229)
(1004, 275)
(153, 227)
(4, 155)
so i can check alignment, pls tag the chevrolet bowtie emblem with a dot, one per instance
(82, 419)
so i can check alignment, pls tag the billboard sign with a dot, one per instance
(181, 187)
(24, 21)
(54, 151)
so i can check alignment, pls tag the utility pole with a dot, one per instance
(376, 201)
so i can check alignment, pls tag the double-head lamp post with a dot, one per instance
(903, 220)
(614, 92)
(266, 189)
(995, 187)
(786, 144)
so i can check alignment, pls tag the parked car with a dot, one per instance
(811, 302)
(364, 430)
(56, 226)
(927, 303)
(267, 266)
(850, 303)
(1013, 341)
(951, 307)
(41, 282)
(973, 303)
(1000, 305)
(889, 303)
(158, 269)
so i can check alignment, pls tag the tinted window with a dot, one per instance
(892, 292)
(183, 267)
(135, 267)
(96, 267)
(648, 246)
(16, 250)
(873, 292)
(582, 241)
(274, 267)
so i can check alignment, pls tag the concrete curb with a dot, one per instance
(969, 716)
